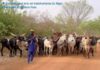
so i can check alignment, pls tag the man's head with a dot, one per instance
(32, 31)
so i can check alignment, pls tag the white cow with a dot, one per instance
(48, 46)
(61, 43)
(71, 43)
(85, 43)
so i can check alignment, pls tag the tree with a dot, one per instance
(91, 27)
(78, 11)
(2, 29)
(10, 21)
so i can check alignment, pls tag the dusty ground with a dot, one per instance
(52, 63)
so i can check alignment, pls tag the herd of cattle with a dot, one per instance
(62, 44)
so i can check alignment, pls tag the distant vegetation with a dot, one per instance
(72, 19)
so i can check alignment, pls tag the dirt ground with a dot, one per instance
(72, 62)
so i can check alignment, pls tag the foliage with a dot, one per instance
(91, 27)
(18, 23)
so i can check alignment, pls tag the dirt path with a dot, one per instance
(52, 63)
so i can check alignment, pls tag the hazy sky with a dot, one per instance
(54, 10)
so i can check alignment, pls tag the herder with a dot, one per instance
(31, 45)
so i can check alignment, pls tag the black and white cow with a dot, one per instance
(5, 44)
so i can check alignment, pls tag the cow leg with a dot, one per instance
(84, 52)
(21, 53)
(92, 52)
(48, 51)
(58, 51)
(51, 50)
(2, 50)
(88, 52)
(72, 50)
(78, 50)
(45, 50)
(15, 51)
(54, 50)
(62, 50)
(17, 48)
(9, 48)
(40, 50)
(10, 53)
(67, 50)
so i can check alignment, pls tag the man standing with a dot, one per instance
(31, 45)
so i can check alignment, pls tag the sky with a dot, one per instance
(54, 10)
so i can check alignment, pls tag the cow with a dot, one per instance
(5, 44)
(41, 45)
(71, 43)
(14, 44)
(48, 46)
(78, 44)
(86, 46)
(61, 44)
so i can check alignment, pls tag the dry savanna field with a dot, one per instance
(70, 62)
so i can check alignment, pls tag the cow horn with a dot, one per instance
(12, 34)
(23, 34)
